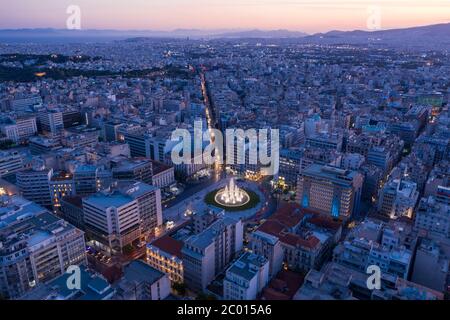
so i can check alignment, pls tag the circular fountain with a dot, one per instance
(232, 196)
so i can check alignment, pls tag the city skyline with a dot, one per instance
(306, 16)
(249, 150)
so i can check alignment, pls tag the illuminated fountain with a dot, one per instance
(232, 196)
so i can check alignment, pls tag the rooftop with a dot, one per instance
(15, 209)
(138, 271)
(168, 245)
(93, 287)
(105, 201)
(247, 266)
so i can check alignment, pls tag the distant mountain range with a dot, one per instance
(58, 35)
(432, 36)
(261, 34)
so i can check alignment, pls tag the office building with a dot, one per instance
(134, 169)
(61, 185)
(34, 185)
(112, 220)
(89, 179)
(51, 122)
(71, 210)
(148, 199)
(330, 190)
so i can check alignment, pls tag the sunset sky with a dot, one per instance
(303, 15)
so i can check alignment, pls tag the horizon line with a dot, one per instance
(219, 29)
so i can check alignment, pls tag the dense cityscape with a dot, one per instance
(89, 183)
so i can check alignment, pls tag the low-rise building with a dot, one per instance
(140, 281)
(246, 277)
(164, 254)
(92, 287)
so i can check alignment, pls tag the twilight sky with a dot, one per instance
(303, 15)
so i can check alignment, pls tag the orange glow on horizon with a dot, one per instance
(302, 15)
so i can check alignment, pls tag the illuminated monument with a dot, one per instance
(232, 196)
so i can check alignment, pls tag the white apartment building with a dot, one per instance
(246, 277)
(270, 247)
(51, 121)
(207, 254)
(148, 198)
(398, 198)
(433, 217)
(20, 129)
(10, 162)
(35, 246)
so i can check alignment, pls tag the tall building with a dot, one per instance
(51, 121)
(112, 220)
(39, 145)
(207, 254)
(149, 204)
(398, 198)
(290, 166)
(61, 185)
(34, 185)
(246, 277)
(431, 265)
(325, 141)
(380, 157)
(330, 190)
(71, 210)
(138, 140)
(135, 169)
(71, 118)
(111, 131)
(36, 246)
(23, 103)
(270, 247)
(89, 179)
